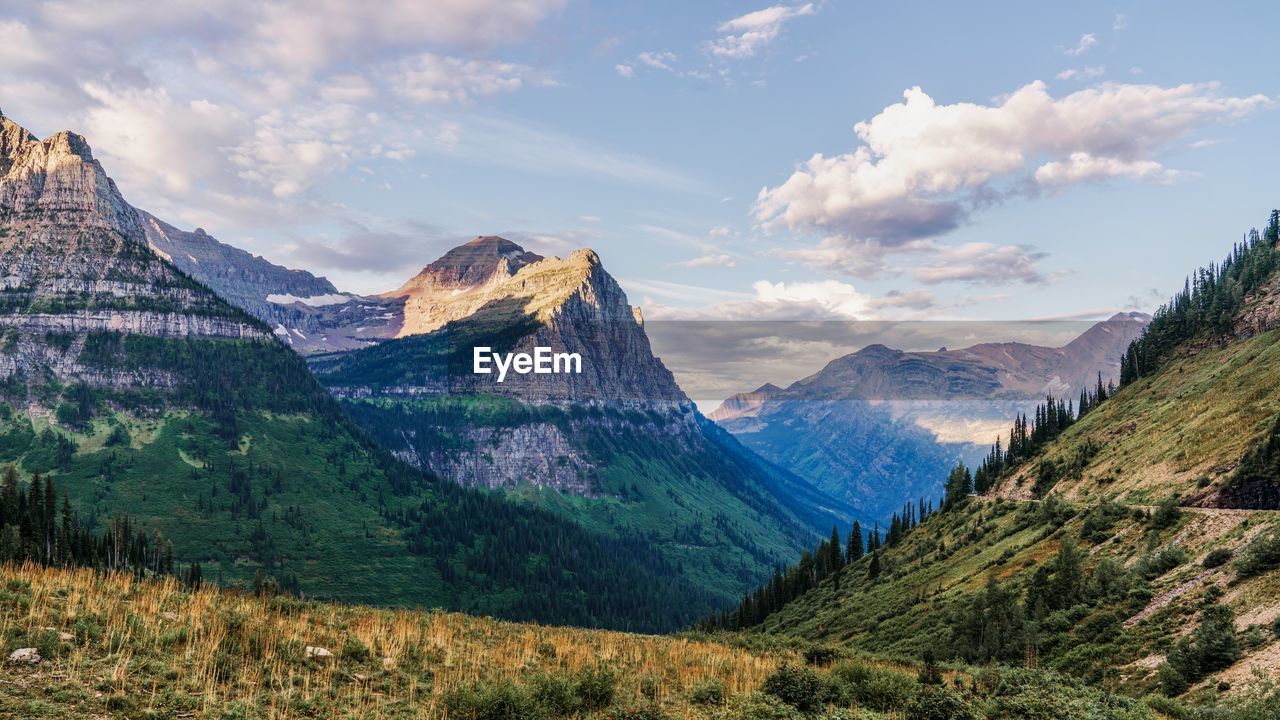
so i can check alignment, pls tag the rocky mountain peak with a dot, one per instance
(58, 181)
(487, 258)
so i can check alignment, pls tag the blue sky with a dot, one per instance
(1057, 160)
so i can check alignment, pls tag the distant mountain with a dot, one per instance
(616, 447)
(139, 390)
(304, 311)
(881, 425)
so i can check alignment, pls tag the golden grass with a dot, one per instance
(149, 647)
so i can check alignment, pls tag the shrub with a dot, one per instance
(635, 712)
(934, 702)
(1167, 513)
(871, 687)
(1260, 555)
(555, 693)
(493, 701)
(1169, 707)
(354, 651)
(799, 687)
(757, 706)
(1164, 561)
(708, 692)
(820, 655)
(1171, 680)
(595, 688)
(1216, 558)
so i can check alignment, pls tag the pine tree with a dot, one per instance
(855, 543)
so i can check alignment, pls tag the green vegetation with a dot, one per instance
(723, 516)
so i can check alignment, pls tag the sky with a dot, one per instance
(728, 160)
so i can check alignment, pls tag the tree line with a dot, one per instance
(1208, 303)
(830, 560)
(35, 527)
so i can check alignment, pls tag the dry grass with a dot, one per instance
(148, 648)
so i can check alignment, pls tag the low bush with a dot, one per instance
(1216, 558)
(708, 692)
(799, 687)
(936, 702)
(879, 689)
(493, 701)
(595, 688)
(1260, 555)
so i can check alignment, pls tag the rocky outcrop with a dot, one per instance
(744, 405)
(536, 454)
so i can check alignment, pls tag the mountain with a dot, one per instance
(306, 312)
(139, 390)
(1138, 550)
(880, 425)
(617, 447)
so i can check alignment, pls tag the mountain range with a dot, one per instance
(140, 390)
(881, 425)
(155, 372)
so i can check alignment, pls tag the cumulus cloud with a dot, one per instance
(922, 169)
(743, 36)
(625, 70)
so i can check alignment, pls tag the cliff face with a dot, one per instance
(74, 261)
(881, 424)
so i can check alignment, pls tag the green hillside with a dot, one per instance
(1139, 550)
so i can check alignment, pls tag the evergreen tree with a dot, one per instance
(855, 543)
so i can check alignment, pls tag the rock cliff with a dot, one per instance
(74, 261)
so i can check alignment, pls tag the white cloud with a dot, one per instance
(431, 78)
(1121, 23)
(982, 263)
(661, 60)
(589, 219)
(1087, 72)
(719, 231)
(744, 36)
(921, 169)
(1081, 166)
(1086, 41)
(720, 260)
(225, 112)
(624, 70)
(817, 300)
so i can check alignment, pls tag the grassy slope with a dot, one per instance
(906, 610)
(144, 649)
(322, 521)
(115, 647)
(1174, 431)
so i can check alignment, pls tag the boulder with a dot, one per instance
(25, 655)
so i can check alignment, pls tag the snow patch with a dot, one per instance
(313, 301)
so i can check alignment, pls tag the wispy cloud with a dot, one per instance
(744, 36)
(1086, 41)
